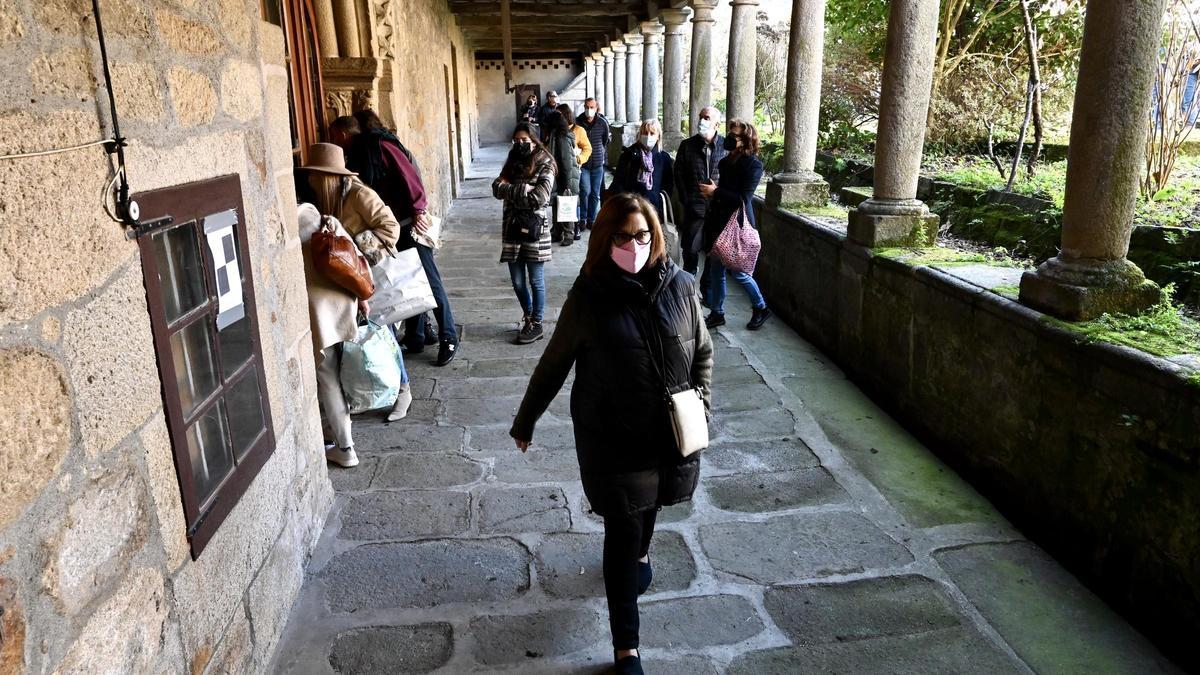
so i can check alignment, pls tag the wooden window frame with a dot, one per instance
(187, 205)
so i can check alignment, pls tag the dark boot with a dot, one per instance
(759, 317)
(713, 320)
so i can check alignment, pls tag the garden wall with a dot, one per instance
(1091, 449)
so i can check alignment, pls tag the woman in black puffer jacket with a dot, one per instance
(631, 320)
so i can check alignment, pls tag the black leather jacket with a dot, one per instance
(692, 167)
(609, 326)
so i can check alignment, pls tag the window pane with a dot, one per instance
(180, 271)
(195, 372)
(245, 412)
(209, 452)
(236, 346)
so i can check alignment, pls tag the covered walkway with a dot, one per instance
(823, 537)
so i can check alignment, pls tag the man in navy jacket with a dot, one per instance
(591, 178)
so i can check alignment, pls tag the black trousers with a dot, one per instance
(626, 538)
(689, 230)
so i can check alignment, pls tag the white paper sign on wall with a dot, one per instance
(222, 244)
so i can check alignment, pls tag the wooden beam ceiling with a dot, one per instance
(540, 25)
(536, 9)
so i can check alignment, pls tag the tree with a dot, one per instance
(770, 72)
(1175, 103)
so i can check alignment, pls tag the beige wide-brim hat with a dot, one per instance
(327, 158)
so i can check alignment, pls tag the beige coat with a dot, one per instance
(332, 310)
(363, 210)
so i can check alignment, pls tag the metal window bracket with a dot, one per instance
(143, 227)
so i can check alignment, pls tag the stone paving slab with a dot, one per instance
(1049, 618)
(805, 546)
(373, 516)
(776, 491)
(569, 564)
(503, 640)
(418, 648)
(699, 622)
(416, 471)
(514, 510)
(823, 537)
(862, 609)
(426, 574)
(409, 438)
(951, 652)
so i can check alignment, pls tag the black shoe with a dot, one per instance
(713, 320)
(578, 236)
(409, 348)
(628, 665)
(645, 576)
(759, 317)
(431, 336)
(530, 333)
(567, 241)
(447, 352)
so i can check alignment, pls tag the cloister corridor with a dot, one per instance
(823, 537)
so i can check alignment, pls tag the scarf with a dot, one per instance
(646, 171)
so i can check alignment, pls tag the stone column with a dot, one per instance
(633, 78)
(1090, 275)
(743, 54)
(798, 183)
(589, 69)
(346, 24)
(675, 21)
(894, 216)
(606, 107)
(326, 33)
(601, 75)
(703, 69)
(652, 31)
(619, 87)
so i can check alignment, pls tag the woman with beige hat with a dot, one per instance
(337, 192)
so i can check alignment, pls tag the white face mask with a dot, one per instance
(707, 128)
(590, 112)
(648, 140)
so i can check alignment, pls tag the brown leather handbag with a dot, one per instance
(337, 258)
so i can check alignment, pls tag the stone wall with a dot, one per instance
(429, 47)
(95, 571)
(1090, 448)
(498, 110)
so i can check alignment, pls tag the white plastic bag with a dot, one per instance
(401, 288)
(565, 209)
(371, 369)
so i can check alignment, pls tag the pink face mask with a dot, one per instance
(632, 256)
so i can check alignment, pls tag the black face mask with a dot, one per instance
(731, 143)
(521, 150)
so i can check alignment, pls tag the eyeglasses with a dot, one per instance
(642, 237)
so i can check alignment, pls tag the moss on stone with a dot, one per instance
(828, 210)
(1161, 330)
(947, 257)
(1010, 291)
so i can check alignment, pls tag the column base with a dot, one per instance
(801, 187)
(1081, 290)
(893, 222)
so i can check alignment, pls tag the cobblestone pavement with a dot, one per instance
(823, 537)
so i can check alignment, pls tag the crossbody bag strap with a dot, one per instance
(659, 367)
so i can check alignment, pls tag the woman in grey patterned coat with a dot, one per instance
(526, 184)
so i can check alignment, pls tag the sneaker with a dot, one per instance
(759, 317)
(447, 352)
(713, 320)
(343, 457)
(532, 332)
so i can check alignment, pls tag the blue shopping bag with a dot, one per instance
(372, 368)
